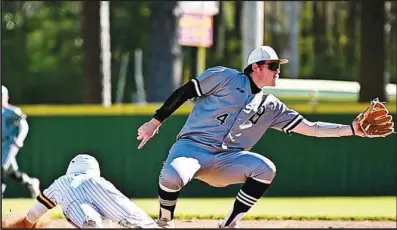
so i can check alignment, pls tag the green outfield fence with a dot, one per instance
(306, 166)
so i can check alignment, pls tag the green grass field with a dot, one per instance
(312, 208)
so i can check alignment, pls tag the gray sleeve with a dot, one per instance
(284, 119)
(211, 80)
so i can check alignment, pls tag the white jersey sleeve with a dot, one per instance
(212, 80)
(49, 197)
(284, 119)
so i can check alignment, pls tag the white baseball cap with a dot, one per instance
(84, 163)
(264, 53)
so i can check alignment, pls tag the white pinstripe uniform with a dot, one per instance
(86, 199)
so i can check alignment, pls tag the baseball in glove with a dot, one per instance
(375, 121)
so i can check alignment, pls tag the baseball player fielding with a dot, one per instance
(231, 114)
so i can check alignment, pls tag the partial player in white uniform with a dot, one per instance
(230, 116)
(14, 129)
(87, 199)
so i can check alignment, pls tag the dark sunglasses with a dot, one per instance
(273, 66)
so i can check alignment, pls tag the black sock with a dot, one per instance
(167, 203)
(251, 191)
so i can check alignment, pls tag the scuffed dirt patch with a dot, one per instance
(290, 224)
(61, 223)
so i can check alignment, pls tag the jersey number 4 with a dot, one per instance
(222, 118)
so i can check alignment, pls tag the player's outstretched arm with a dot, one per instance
(325, 129)
(375, 121)
(34, 214)
(173, 102)
(45, 202)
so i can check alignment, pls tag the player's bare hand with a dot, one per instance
(357, 129)
(147, 131)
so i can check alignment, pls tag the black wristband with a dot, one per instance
(351, 126)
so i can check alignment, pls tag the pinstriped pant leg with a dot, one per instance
(84, 215)
(113, 205)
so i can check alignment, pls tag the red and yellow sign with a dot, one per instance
(195, 30)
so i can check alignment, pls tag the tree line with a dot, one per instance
(51, 50)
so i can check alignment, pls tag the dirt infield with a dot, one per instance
(291, 224)
(255, 224)
(273, 224)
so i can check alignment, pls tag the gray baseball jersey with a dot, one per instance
(227, 115)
